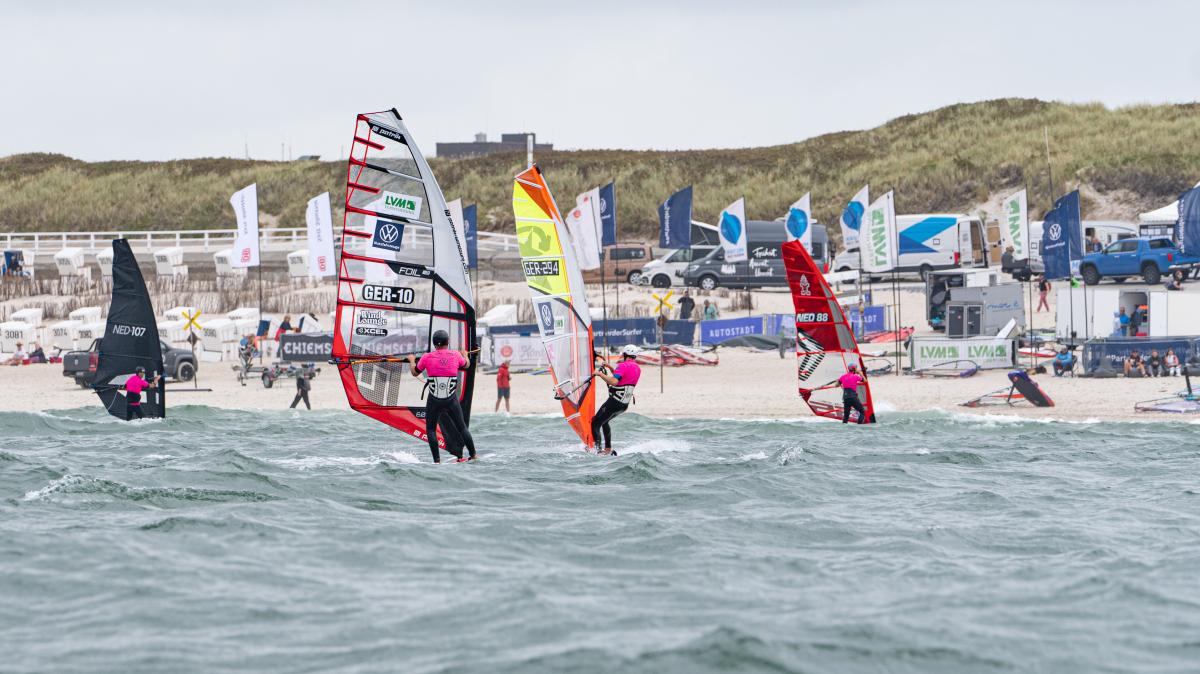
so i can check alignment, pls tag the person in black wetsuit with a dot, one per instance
(621, 381)
(441, 368)
(303, 386)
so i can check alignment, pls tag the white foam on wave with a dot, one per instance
(657, 446)
(884, 406)
(54, 487)
(753, 456)
(311, 462)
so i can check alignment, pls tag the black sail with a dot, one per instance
(130, 340)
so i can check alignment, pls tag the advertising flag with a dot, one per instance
(608, 214)
(799, 223)
(675, 220)
(1062, 238)
(456, 218)
(585, 230)
(245, 245)
(878, 235)
(852, 216)
(471, 229)
(1016, 224)
(1187, 227)
(733, 231)
(320, 237)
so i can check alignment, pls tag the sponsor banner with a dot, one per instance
(1062, 238)
(732, 231)
(471, 230)
(520, 350)
(321, 260)
(874, 319)
(620, 331)
(388, 235)
(608, 214)
(404, 205)
(675, 220)
(551, 324)
(309, 347)
(585, 230)
(460, 225)
(1016, 224)
(990, 353)
(715, 332)
(799, 222)
(852, 215)
(1187, 227)
(877, 242)
(245, 245)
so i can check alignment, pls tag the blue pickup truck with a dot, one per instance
(1148, 257)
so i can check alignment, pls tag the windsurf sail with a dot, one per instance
(559, 300)
(130, 340)
(825, 345)
(402, 276)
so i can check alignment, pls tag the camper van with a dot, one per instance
(1107, 231)
(764, 240)
(932, 241)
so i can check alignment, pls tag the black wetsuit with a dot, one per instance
(302, 388)
(850, 401)
(618, 401)
(442, 401)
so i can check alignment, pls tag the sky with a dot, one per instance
(161, 80)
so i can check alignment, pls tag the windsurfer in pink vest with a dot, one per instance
(441, 368)
(133, 393)
(850, 383)
(621, 381)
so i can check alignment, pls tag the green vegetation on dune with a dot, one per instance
(950, 159)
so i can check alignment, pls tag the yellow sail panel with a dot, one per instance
(559, 300)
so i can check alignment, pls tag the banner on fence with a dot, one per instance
(876, 320)
(715, 332)
(306, 347)
(621, 331)
(989, 353)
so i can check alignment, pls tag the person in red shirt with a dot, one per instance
(441, 368)
(850, 401)
(502, 387)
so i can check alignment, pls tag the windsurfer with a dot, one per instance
(621, 381)
(133, 393)
(441, 367)
(850, 383)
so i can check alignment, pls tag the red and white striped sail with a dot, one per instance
(402, 276)
(825, 345)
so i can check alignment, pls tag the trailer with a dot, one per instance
(1094, 312)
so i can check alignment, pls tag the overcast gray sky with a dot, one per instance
(161, 80)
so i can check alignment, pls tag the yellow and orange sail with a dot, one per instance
(559, 300)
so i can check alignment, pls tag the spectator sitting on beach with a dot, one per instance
(1063, 362)
(18, 357)
(1135, 363)
(36, 354)
(1171, 363)
(1154, 364)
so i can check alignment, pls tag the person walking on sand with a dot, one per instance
(303, 386)
(1043, 292)
(850, 401)
(441, 368)
(503, 387)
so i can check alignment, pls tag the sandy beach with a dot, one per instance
(745, 385)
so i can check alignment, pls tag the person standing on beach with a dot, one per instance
(686, 306)
(503, 387)
(441, 368)
(710, 310)
(850, 401)
(303, 386)
(1043, 292)
(621, 381)
(133, 393)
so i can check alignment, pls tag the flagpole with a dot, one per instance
(1029, 283)
(616, 240)
(603, 284)
(895, 289)
(262, 342)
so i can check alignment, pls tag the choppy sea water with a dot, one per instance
(222, 540)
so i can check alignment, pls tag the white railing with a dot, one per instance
(201, 239)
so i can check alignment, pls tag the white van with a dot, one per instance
(931, 241)
(667, 270)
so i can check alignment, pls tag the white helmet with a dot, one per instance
(631, 351)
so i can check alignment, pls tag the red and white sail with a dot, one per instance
(402, 276)
(825, 346)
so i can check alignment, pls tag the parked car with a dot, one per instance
(667, 270)
(764, 268)
(622, 262)
(180, 364)
(1148, 257)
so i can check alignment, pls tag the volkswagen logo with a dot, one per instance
(388, 233)
(1055, 231)
(603, 206)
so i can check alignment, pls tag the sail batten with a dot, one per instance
(395, 288)
(825, 345)
(559, 299)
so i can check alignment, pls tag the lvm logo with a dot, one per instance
(1014, 223)
(987, 351)
(401, 204)
(939, 352)
(879, 244)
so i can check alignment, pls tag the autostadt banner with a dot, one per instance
(305, 347)
(989, 353)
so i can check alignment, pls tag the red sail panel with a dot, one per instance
(825, 345)
(401, 277)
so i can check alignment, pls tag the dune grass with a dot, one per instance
(950, 159)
